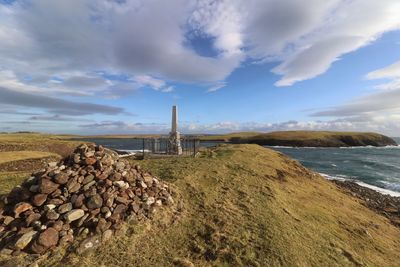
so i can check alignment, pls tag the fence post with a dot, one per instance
(143, 147)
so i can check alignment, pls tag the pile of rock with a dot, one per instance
(91, 192)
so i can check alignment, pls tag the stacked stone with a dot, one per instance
(91, 192)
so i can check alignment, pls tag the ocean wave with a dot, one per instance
(373, 187)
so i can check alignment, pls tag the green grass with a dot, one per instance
(9, 180)
(243, 205)
(305, 138)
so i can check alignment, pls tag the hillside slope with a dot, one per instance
(316, 139)
(244, 205)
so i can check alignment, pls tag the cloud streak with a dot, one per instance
(55, 105)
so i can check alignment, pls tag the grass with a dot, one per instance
(23, 155)
(244, 205)
(24, 152)
(9, 180)
(58, 144)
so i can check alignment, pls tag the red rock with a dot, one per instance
(39, 199)
(21, 207)
(108, 182)
(90, 161)
(61, 178)
(79, 201)
(58, 225)
(46, 186)
(48, 238)
(102, 176)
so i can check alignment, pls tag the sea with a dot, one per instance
(375, 167)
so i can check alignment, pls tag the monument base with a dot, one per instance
(175, 143)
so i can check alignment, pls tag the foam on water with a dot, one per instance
(346, 178)
(375, 167)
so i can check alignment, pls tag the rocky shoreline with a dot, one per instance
(386, 205)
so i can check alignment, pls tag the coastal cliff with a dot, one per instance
(316, 139)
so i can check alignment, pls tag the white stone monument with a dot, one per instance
(174, 135)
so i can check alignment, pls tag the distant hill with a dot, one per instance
(307, 139)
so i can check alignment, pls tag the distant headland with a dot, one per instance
(306, 139)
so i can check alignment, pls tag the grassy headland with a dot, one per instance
(244, 205)
(306, 139)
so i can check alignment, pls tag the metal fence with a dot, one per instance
(162, 146)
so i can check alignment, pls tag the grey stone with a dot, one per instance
(25, 239)
(65, 208)
(74, 215)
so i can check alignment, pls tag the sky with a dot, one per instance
(115, 66)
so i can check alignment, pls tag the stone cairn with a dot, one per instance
(90, 193)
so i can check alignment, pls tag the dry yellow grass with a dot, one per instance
(244, 205)
(23, 155)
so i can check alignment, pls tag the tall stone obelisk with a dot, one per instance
(174, 135)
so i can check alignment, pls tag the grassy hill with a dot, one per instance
(244, 205)
(307, 139)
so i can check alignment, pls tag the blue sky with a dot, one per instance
(97, 66)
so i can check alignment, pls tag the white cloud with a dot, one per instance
(348, 26)
(147, 38)
(168, 89)
(146, 80)
(373, 124)
(391, 71)
(216, 87)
